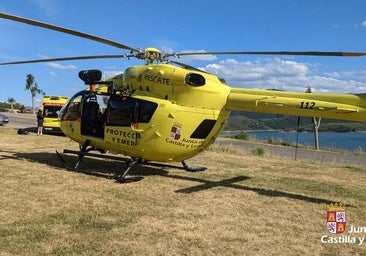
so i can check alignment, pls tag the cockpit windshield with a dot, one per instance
(71, 110)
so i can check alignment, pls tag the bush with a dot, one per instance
(259, 151)
(241, 136)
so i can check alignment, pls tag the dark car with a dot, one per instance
(3, 119)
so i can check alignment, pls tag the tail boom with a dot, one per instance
(333, 106)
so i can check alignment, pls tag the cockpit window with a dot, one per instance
(71, 110)
(115, 110)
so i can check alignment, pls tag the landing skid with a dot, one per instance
(84, 150)
(130, 163)
(193, 169)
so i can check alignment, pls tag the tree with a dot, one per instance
(316, 123)
(11, 101)
(32, 86)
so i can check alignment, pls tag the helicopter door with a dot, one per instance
(92, 118)
(121, 111)
(124, 117)
(128, 111)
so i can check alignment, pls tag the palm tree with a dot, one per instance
(32, 86)
(11, 101)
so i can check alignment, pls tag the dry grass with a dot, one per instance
(242, 205)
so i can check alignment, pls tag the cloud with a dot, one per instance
(59, 66)
(249, 71)
(364, 23)
(275, 73)
(341, 74)
(49, 7)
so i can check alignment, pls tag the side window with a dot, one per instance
(147, 110)
(102, 101)
(120, 111)
(124, 111)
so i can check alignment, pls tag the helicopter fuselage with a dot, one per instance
(168, 113)
(171, 114)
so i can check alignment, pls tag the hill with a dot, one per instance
(241, 120)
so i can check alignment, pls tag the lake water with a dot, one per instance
(349, 141)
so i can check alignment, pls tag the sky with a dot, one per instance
(189, 25)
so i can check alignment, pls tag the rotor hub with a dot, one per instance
(150, 54)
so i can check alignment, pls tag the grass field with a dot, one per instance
(242, 205)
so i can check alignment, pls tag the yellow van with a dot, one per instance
(51, 106)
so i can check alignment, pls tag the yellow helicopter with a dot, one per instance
(166, 111)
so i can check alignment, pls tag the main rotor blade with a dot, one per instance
(186, 66)
(66, 58)
(66, 31)
(306, 53)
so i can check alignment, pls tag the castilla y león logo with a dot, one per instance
(336, 218)
(336, 225)
(175, 132)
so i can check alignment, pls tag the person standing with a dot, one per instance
(40, 118)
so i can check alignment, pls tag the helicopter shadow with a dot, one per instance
(90, 166)
(103, 169)
(230, 183)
